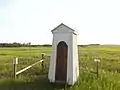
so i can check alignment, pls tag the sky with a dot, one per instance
(96, 21)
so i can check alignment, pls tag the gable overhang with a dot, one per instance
(72, 30)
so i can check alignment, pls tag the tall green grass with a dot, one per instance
(36, 79)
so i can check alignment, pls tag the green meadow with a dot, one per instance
(35, 78)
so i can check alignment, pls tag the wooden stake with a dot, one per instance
(97, 66)
(42, 63)
(97, 69)
(42, 55)
(14, 71)
(15, 62)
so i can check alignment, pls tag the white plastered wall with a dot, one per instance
(66, 37)
(75, 58)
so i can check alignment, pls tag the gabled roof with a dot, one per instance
(64, 26)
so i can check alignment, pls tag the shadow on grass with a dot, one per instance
(40, 83)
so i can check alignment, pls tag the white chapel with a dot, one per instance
(64, 66)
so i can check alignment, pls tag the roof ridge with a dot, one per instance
(60, 25)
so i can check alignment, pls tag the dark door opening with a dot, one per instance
(61, 62)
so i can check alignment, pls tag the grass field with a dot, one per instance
(36, 79)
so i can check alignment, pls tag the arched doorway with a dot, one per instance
(61, 62)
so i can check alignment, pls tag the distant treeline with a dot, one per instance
(88, 45)
(15, 44)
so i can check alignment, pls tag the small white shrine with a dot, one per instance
(64, 66)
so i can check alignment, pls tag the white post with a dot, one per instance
(15, 62)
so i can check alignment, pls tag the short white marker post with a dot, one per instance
(15, 62)
(97, 68)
